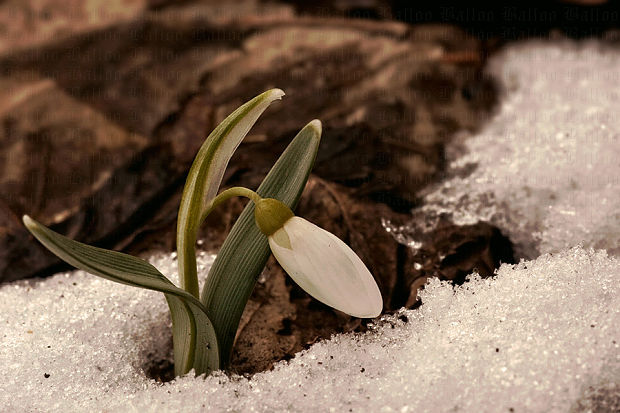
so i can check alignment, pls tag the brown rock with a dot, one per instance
(34, 23)
(389, 95)
(56, 150)
(372, 85)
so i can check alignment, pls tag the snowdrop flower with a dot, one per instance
(318, 261)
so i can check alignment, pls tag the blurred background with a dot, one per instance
(103, 105)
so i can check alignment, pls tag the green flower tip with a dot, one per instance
(28, 222)
(275, 93)
(316, 125)
(271, 214)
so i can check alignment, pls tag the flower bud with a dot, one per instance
(319, 262)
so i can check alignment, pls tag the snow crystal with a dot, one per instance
(546, 168)
(541, 336)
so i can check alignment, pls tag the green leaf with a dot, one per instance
(246, 250)
(195, 342)
(205, 176)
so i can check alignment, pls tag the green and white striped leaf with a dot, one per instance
(246, 250)
(205, 176)
(195, 342)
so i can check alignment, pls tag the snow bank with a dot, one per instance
(542, 336)
(547, 166)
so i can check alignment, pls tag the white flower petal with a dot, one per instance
(326, 268)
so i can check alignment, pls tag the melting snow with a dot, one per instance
(547, 166)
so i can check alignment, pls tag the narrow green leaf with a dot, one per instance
(205, 176)
(195, 342)
(246, 250)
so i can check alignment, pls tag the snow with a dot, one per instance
(546, 166)
(541, 336)
(537, 337)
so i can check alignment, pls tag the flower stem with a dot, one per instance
(188, 257)
(225, 196)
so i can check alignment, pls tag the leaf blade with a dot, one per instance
(193, 334)
(245, 251)
(205, 176)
